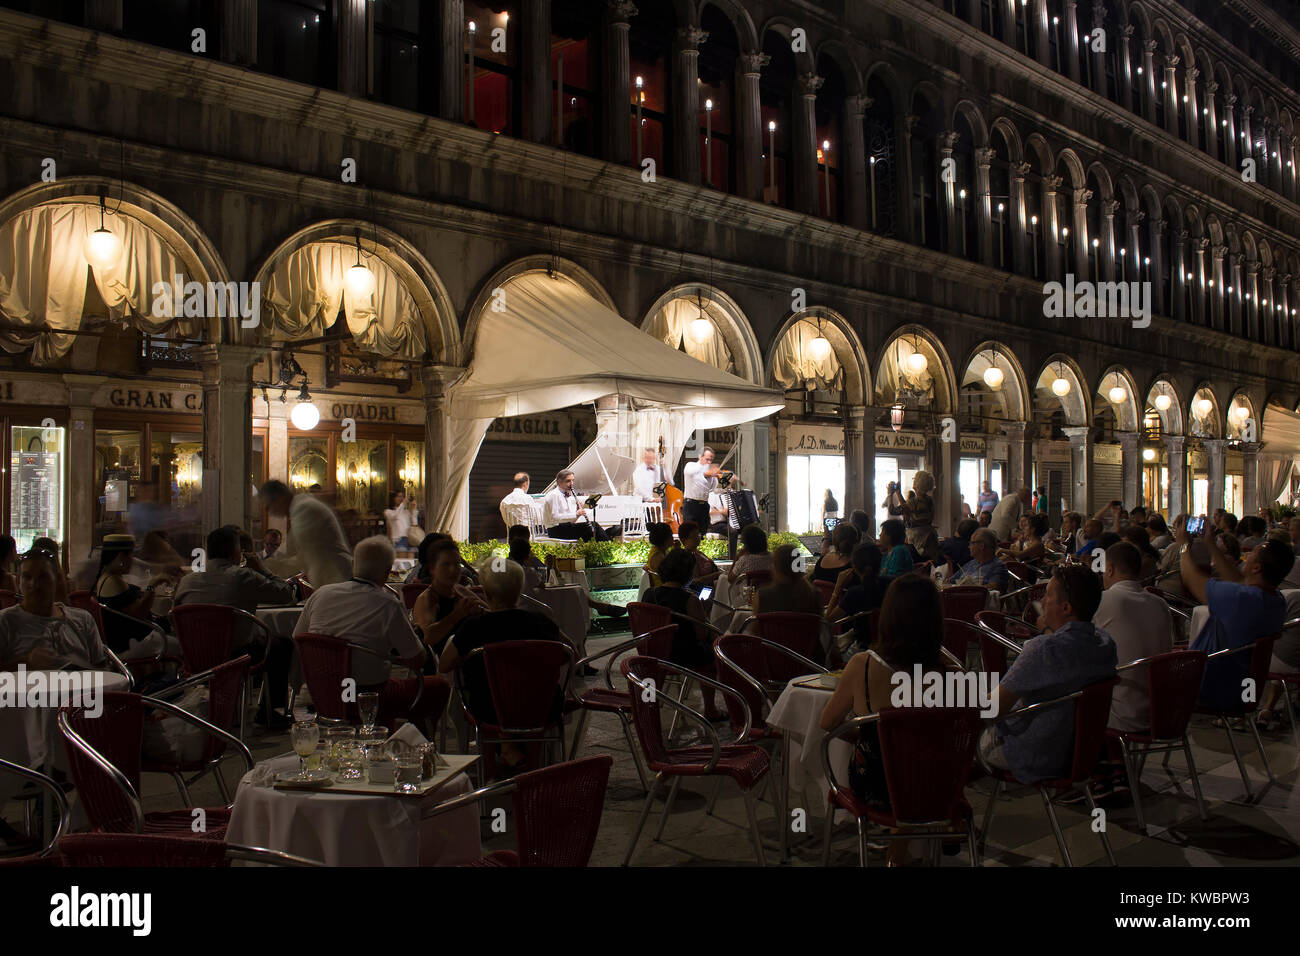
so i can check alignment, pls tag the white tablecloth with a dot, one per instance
(798, 713)
(570, 608)
(355, 829)
(280, 620)
(30, 735)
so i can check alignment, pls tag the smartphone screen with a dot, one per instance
(706, 592)
(1195, 525)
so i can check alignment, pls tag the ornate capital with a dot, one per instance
(984, 156)
(1247, 110)
(1161, 225)
(1098, 14)
(1135, 216)
(1109, 207)
(620, 11)
(1219, 252)
(1269, 274)
(910, 121)
(1052, 183)
(1212, 87)
(1230, 100)
(752, 63)
(1171, 62)
(810, 83)
(1181, 235)
(1202, 244)
(1252, 267)
(1081, 196)
(857, 105)
(1152, 46)
(1193, 72)
(1127, 33)
(948, 139)
(690, 38)
(1021, 170)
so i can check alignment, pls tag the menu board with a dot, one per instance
(36, 494)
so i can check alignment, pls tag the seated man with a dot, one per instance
(363, 611)
(1140, 625)
(517, 507)
(502, 621)
(1244, 606)
(1092, 532)
(984, 568)
(42, 633)
(224, 582)
(957, 548)
(566, 517)
(1072, 654)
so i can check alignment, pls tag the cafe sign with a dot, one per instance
(814, 440)
(899, 441)
(972, 445)
(130, 398)
(554, 427)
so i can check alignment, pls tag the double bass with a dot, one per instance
(670, 493)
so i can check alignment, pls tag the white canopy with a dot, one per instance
(1279, 454)
(555, 346)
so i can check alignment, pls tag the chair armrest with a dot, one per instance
(1144, 660)
(1035, 708)
(612, 653)
(694, 715)
(853, 723)
(211, 729)
(258, 854)
(468, 799)
(60, 798)
(256, 621)
(120, 667)
(200, 678)
(720, 688)
(118, 778)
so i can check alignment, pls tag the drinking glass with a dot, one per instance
(333, 737)
(304, 734)
(409, 762)
(368, 704)
(351, 760)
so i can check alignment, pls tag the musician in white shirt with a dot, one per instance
(564, 515)
(647, 476)
(700, 478)
(720, 509)
(517, 507)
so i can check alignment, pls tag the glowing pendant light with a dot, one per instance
(701, 327)
(102, 248)
(993, 376)
(1163, 402)
(305, 415)
(1060, 387)
(1203, 407)
(916, 362)
(359, 280)
(820, 347)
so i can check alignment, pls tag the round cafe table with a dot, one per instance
(30, 735)
(345, 829)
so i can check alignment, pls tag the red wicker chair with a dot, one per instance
(105, 762)
(963, 602)
(824, 591)
(743, 762)
(556, 810)
(1173, 682)
(927, 753)
(142, 849)
(411, 591)
(1091, 711)
(801, 633)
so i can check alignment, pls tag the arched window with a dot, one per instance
(927, 223)
(295, 40)
(968, 206)
(650, 43)
(496, 103)
(829, 118)
(717, 63)
(776, 91)
(576, 29)
(1005, 220)
(404, 70)
(882, 160)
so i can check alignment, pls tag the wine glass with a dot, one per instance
(368, 705)
(305, 735)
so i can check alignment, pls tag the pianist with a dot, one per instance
(564, 515)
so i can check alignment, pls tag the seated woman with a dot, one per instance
(689, 536)
(910, 633)
(692, 644)
(831, 564)
(753, 554)
(661, 542)
(502, 621)
(788, 590)
(1031, 547)
(122, 634)
(521, 552)
(439, 610)
(897, 555)
(859, 588)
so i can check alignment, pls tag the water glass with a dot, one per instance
(368, 705)
(409, 763)
(333, 737)
(351, 760)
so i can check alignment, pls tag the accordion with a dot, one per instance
(742, 509)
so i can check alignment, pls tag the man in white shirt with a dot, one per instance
(517, 507)
(315, 544)
(564, 515)
(399, 520)
(1140, 625)
(1007, 514)
(647, 476)
(700, 478)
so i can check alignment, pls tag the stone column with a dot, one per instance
(1219, 290)
(1250, 478)
(1177, 475)
(1018, 219)
(1134, 269)
(782, 443)
(436, 380)
(227, 426)
(1009, 22)
(238, 25)
(618, 82)
(79, 526)
(1082, 241)
(277, 453)
(986, 225)
(1039, 26)
(1231, 134)
(1236, 295)
(1055, 267)
(1286, 339)
(1247, 141)
(749, 125)
(104, 15)
(1251, 326)
(1124, 77)
(535, 71)
(1080, 466)
(1178, 277)
(1268, 331)
(752, 461)
(1149, 87)
(948, 197)
(1130, 467)
(1199, 284)
(1108, 247)
(1292, 146)
(1191, 108)
(686, 104)
(1070, 38)
(803, 144)
(1020, 454)
(354, 47)
(1214, 448)
(853, 164)
(1212, 120)
(1156, 270)
(1169, 92)
(451, 60)
(1098, 58)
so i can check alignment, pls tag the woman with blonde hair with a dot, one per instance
(919, 513)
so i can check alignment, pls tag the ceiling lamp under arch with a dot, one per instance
(917, 363)
(1117, 395)
(1203, 407)
(102, 248)
(993, 377)
(820, 347)
(359, 280)
(1163, 402)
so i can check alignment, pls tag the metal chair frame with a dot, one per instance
(1248, 716)
(60, 801)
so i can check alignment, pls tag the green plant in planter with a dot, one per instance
(604, 554)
